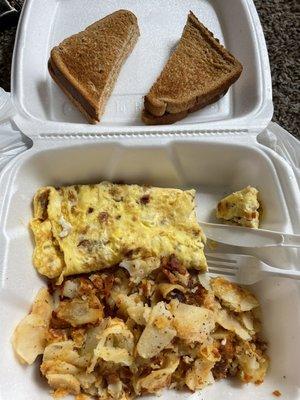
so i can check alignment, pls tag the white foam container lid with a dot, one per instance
(216, 151)
(42, 107)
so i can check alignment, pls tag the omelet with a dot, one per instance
(85, 228)
(240, 208)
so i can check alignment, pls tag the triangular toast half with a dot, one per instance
(87, 64)
(198, 73)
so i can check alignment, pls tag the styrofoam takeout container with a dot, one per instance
(215, 150)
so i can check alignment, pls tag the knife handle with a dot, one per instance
(290, 240)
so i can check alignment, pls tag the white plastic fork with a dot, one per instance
(246, 269)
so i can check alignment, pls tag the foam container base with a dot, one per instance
(213, 168)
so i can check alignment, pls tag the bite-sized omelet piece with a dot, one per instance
(240, 208)
(91, 227)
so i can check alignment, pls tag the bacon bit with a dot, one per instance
(112, 379)
(125, 375)
(196, 295)
(220, 369)
(97, 281)
(145, 199)
(277, 393)
(103, 217)
(86, 287)
(176, 266)
(108, 284)
(170, 266)
(103, 284)
(171, 277)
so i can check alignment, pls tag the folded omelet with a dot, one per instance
(86, 228)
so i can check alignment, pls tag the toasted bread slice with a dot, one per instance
(87, 64)
(198, 73)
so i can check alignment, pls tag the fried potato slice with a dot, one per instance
(193, 323)
(233, 296)
(29, 338)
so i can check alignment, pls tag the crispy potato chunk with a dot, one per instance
(80, 312)
(229, 322)
(193, 323)
(159, 379)
(199, 375)
(233, 296)
(66, 382)
(253, 364)
(158, 332)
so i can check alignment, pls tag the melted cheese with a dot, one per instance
(98, 226)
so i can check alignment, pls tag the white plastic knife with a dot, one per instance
(247, 237)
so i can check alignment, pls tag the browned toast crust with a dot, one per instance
(169, 118)
(80, 102)
(198, 73)
(87, 64)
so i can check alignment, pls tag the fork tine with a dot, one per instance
(230, 258)
(223, 264)
(221, 271)
(216, 268)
